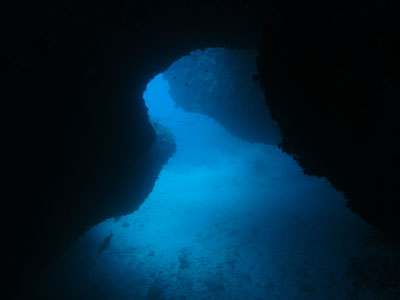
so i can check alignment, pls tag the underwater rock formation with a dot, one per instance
(78, 141)
(164, 146)
(219, 83)
(77, 137)
(328, 74)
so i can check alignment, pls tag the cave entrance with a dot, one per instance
(230, 217)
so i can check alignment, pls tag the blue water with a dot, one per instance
(226, 220)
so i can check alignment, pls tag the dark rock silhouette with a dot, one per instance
(328, 73)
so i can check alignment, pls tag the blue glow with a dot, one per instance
(226, 220)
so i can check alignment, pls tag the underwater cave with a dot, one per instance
(259, 166)
(230, 216)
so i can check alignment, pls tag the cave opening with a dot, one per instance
(230, 217)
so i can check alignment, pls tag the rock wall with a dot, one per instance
(328, 73)
(76, 133)
(219, 83)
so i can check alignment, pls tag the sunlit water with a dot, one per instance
(226, 220)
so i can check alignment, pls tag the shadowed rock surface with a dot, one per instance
(329, 76)
(219, 83)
